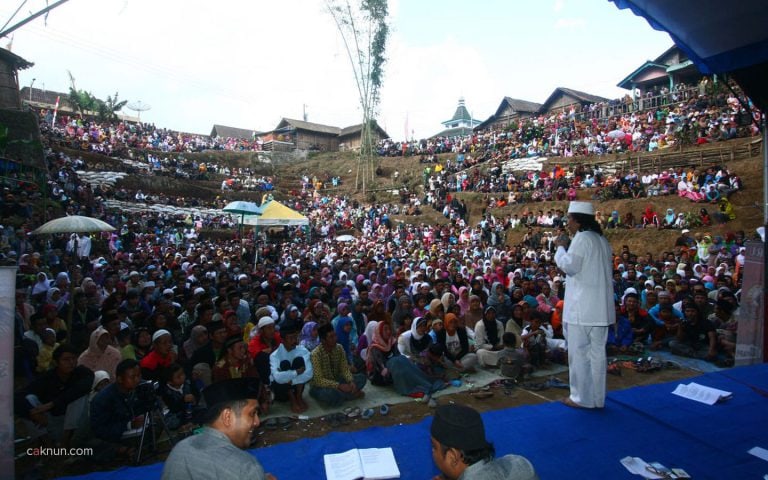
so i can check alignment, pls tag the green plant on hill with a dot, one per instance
(364, 31)
(692, 219)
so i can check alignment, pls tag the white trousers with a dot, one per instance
(587, 364)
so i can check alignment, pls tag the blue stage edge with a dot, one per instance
(709, 442)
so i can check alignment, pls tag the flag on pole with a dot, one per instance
(406, 126)
(55, 111)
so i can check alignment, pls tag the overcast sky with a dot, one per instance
(247, 64)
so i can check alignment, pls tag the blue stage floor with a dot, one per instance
(709, 442)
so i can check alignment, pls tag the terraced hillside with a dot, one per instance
(746, 162)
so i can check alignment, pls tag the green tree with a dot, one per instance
(82, 101)
(364, 31)
(107, 110)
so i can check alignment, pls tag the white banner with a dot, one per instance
(7, 310)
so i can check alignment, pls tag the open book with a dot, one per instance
(365, 463)
(702, 393)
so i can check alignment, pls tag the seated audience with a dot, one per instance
(333, 383)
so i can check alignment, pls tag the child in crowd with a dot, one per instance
(535, 341)
(46, 350)
(512, 360)
(437, 325)
(433, 363)
(180, 397)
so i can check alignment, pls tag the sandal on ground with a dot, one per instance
(534, 386)
(367, 413)
(351, 412)
(384, 410)
(270, 423)
(555, 382)
(482, 394)
(332, 420)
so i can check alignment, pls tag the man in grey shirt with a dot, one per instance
(218, 453)
(461, 452)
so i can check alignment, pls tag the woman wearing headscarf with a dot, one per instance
(41, 287)
(379, 313)
(436, 309)
(100, 354)
(500, 301)
(416, 340)
(488, 342)
(516, 322)
(376, 293)
(198, 337)
(308, 337)
(313, 312)
(290, 315)
(448, 300)
(343, 330)
(475, 311)
(343, 313)
(359, 318)
(650, 218)
(386, 366)
(669, 219)
(463, 300)
(54, 297)
(402, 310)
(456, 343)
(365, 339)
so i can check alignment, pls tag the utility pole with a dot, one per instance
(30, 18)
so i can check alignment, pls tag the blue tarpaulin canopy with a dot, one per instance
(719, 36)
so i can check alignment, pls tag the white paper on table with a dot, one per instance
(759, 452)
(701, 393)
(637, 466)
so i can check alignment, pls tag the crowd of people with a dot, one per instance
(108, 323)
(684, 117)
(114, 138)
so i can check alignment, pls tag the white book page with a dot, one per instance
(379, 463)
(343, 466)
(700, 393)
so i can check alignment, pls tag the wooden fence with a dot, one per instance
(702, 156)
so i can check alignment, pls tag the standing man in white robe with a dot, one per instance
(588, 305)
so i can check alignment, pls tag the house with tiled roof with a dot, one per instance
(564, 98)
(222, 131)
(350, 137)
(667, 70)
(510, 110)
(302, 135)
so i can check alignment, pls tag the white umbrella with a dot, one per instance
(345, 238)
(243, 208)
(73, 224)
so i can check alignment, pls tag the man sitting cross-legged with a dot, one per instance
(291, 369)
(333, 383)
